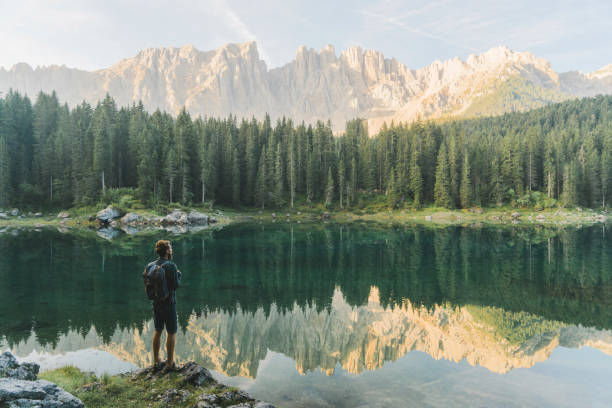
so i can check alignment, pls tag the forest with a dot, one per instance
(52, 156)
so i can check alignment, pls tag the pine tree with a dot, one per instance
(279, 178)
(416, 180)
(235, 180)
(329, 190)
(261, 191)
(393, 193)
(341, 181)
(292, 170)
(441, 189)
(466, 184)
(606, 172)
(5, 182)
(171, 171)
(569, 185)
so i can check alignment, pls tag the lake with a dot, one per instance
(333, 315)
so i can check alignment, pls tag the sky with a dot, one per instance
(571, 35)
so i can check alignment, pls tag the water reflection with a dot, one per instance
(353, 338)
(329, 297)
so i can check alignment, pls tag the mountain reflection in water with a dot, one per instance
(331, 298)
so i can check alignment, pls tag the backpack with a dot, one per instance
(156, 286)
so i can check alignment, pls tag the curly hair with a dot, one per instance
(162, 247)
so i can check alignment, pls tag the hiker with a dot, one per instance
(162, 278)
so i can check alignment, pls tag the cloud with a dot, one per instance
(415, 30)
(224, 11)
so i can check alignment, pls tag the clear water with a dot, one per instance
(334, 315)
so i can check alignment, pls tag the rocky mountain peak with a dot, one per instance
(318, 84)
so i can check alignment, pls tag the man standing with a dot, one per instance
(164, 311)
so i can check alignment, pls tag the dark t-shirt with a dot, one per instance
(173, 279)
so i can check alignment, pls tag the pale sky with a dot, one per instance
(572, 35)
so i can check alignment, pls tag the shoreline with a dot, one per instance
(76, 219)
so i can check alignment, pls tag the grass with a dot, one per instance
(125, 390)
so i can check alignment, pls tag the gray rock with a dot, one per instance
(3, 216)
(173, 395)
(195, 374)
(63, 214)
(197, 218)
(172, 218)
(210, 399)
(130, 218)
(235, 396)
(107, 214)
(14, 212)
(515, 215)
(41, 394)
(540, 218)
(212, 220)
(10, 368)
(38, 214)
(242, 405)
(183, 220)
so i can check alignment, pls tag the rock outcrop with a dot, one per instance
(209, 392)
(19, 387)
(316, 85)
(108, 214)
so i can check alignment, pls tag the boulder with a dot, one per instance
(63, 214)
(19, 388)
(197, 218)
(107, 215)
(212, 220)
(195, 374)
(515, 215)
(9, 367)
(183, 220)
(3, 216)
(38, 214)
(41, 394)
(130, 218)
(14, 212)
(173, 217)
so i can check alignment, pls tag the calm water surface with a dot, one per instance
(334, 315)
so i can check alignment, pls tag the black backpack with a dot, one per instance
(156, 286)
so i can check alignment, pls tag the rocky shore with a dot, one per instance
(189, 386)
(19, 387)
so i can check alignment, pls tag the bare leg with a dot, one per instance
(170, 342)
(156, 343)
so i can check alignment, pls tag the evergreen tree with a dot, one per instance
(441, 189)
(416, 180)
(466, 184)
(329, 190)
(279, 179)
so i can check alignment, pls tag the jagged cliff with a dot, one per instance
(358, 338)
(316, 84)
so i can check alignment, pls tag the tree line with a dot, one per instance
(52, 156)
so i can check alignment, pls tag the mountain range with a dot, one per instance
(316, 84)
